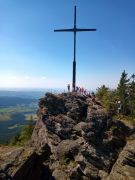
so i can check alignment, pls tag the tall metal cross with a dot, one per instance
(74, 30)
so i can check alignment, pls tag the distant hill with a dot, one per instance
(24, 94)
(6, 101)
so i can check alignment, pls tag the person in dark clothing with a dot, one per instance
(93, 94)
(85, 92)
(77, 88)
(89, 95)
(68, 86)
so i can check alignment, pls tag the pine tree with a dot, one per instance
(102, 91)
(107, 98)
(123, 92)
(132, 96)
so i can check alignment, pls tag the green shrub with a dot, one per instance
(25, 134)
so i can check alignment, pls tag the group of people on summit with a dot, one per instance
(83, 91)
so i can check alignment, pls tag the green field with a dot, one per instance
(13, 119)
(15, 126)
(29, 112)
(17, 109)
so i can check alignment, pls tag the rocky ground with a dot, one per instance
(74, 139)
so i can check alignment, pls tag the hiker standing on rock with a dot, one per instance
(119, 106)
(68, 86)
(89, 95)
(85, 91)
(82, 90)
(93, 96)
(77, 88)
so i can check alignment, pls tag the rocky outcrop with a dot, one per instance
(124, 168)
(23, 163)
(74, 138)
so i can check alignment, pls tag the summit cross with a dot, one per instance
(74, 30)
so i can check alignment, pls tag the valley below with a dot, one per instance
(16, 110)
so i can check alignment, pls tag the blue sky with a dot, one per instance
(33, 55)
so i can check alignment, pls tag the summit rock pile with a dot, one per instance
(73, 139)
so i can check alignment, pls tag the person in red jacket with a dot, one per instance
(82, 90)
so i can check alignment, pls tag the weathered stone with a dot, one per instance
(39, 138)
(60, 175)
(68, 148)
(74, 138)
(124, 168)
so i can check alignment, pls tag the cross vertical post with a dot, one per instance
(74, 61)
(74, 30)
